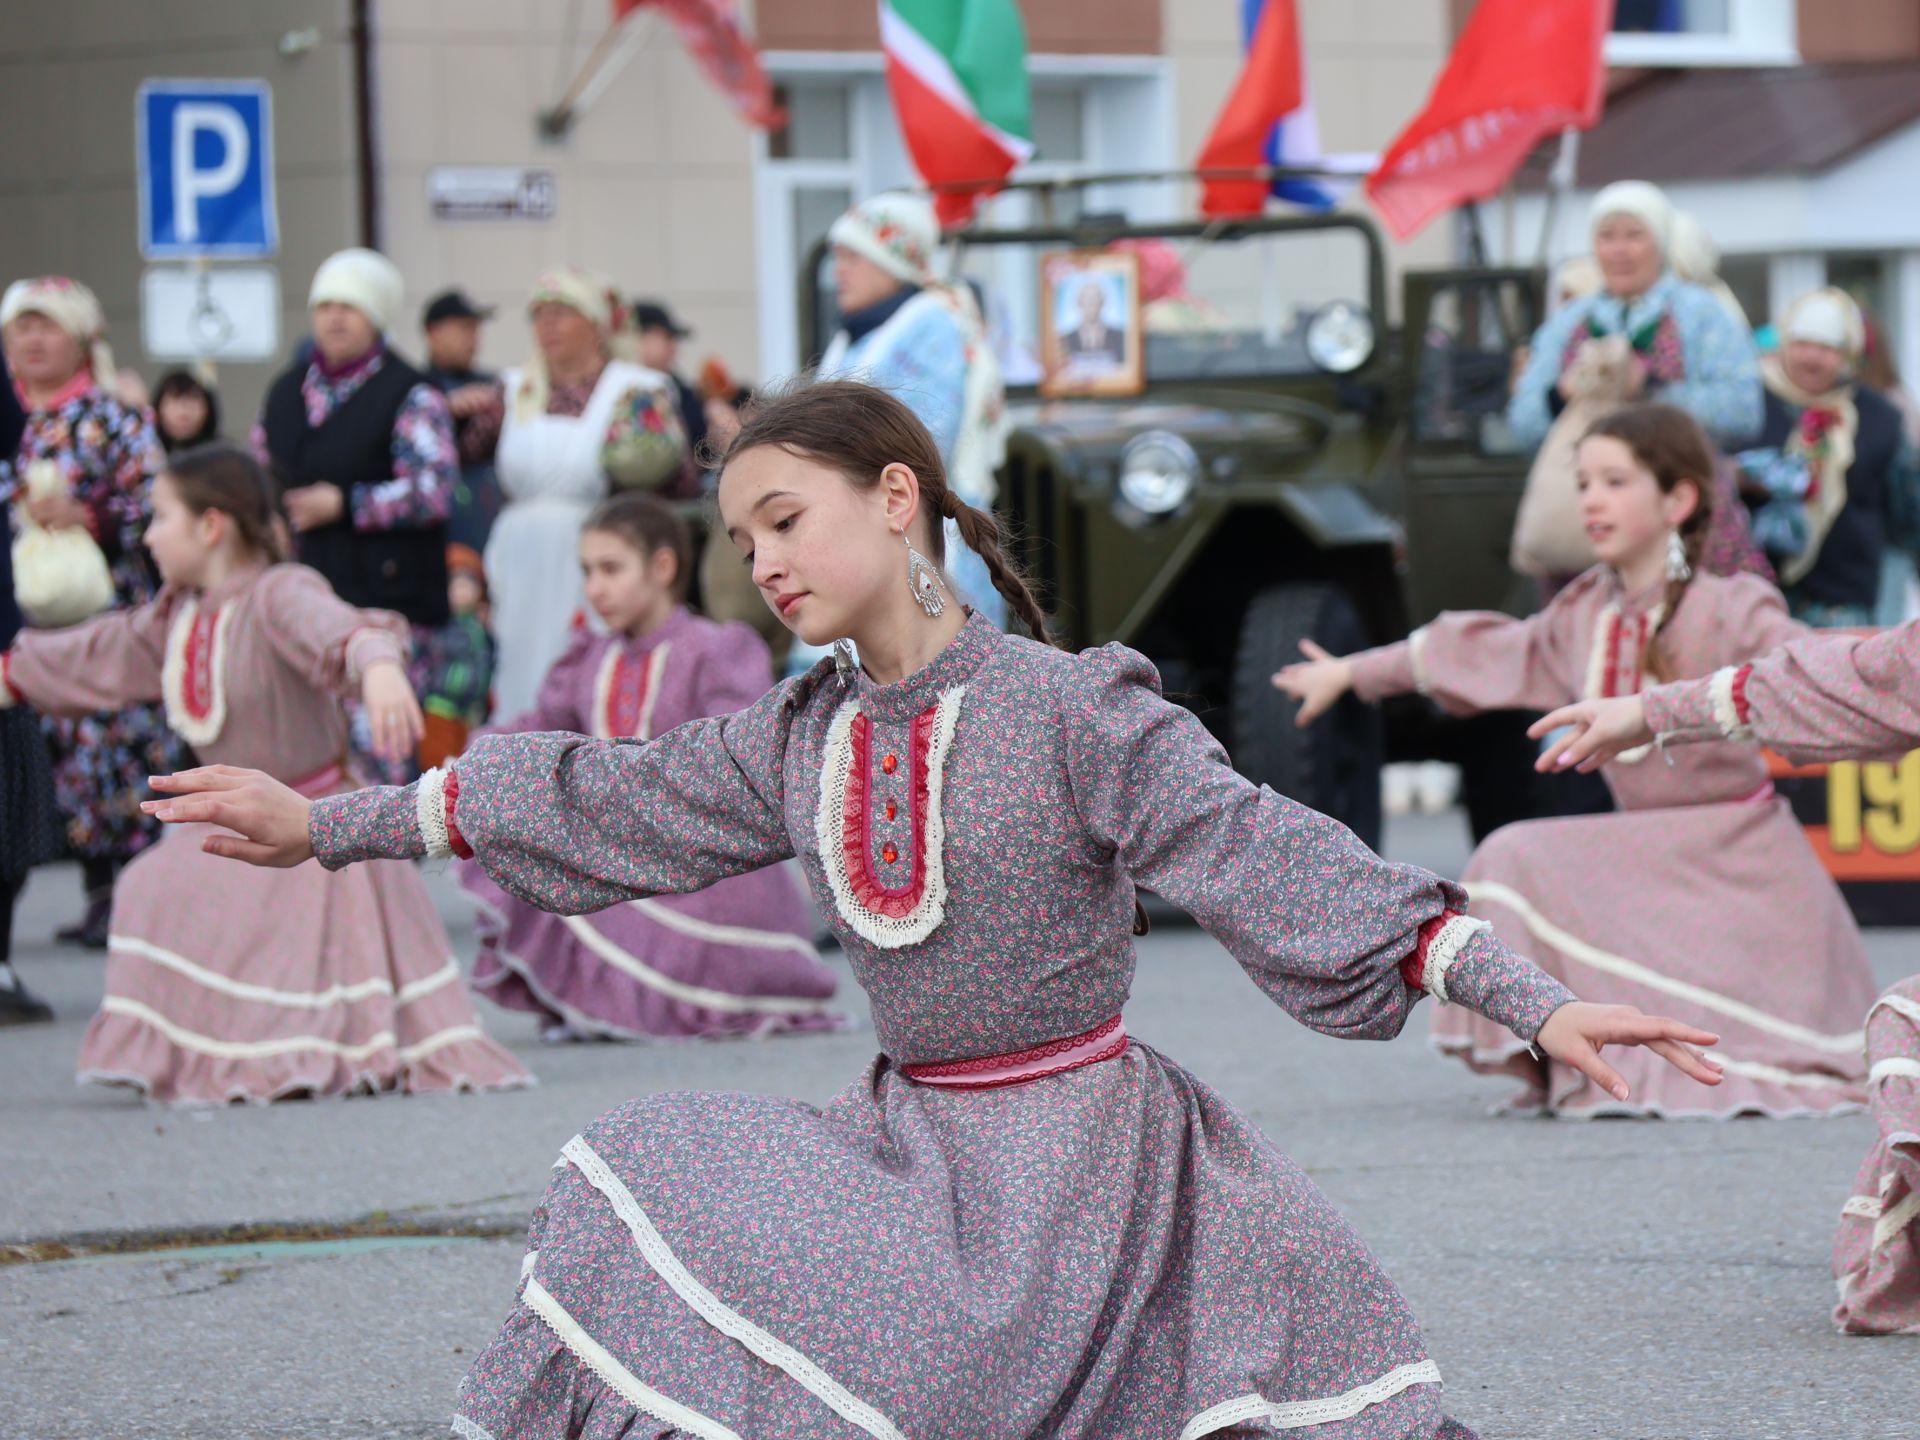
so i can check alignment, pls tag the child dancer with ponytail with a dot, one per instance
(1701, 894)
(225, 984)
(733, 959)
(1017, 1221)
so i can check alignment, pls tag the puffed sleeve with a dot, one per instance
(1531, 409)
(107, 663)
(329, 642)
(1722, 388)
(1331, 932)
(1468, 661)
(1819, 698)
(736, 669)
(557, 706)
(571, 825)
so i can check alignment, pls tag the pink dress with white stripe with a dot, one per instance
(736, 958)
(228, 982)
(1700, 898)
(1837, 697)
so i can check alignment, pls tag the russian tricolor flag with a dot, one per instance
(1269, 120)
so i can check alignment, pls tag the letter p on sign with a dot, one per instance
(205, 155)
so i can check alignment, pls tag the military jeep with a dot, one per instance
(1293, 466)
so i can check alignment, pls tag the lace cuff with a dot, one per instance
(1731, 714)
(1490, 980)
(378, 823)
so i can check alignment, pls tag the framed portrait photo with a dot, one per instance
(1092, 341)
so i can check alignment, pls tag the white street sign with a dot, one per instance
(222, 312)
(490, 192)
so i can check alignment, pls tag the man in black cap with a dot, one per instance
(660, 337)
(452, 325)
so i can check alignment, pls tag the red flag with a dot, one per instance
(1268, 88)
(711, 31)
(1522, 69)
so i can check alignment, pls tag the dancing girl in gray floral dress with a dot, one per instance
(1017, 1221)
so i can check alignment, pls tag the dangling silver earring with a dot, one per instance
(1678, 570)
(924, 580)
(843, 660)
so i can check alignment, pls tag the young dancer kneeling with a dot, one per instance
(1017, 1221)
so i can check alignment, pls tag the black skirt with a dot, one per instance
(29, 824)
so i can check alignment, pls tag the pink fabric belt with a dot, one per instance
(1056, 1057)
(321, 782)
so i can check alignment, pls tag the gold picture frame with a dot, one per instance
(1092, 336)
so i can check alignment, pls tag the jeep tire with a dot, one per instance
(1334, 764)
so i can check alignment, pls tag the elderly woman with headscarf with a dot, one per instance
(1680, 346)
(86, 462)
(579, 419)
(1833, 480)
(362, 445)
(1644, 333)
(905, 330)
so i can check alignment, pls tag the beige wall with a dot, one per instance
(68, 74)
(654, 184)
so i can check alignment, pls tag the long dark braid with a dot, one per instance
(981, 532)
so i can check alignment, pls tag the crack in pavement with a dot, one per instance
(377, 1224)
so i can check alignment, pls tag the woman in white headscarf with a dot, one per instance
(1681, 346)
(86, 462)
(904, 329)
(1833, 481)
(579, 419)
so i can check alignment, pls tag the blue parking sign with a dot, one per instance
(204, 149)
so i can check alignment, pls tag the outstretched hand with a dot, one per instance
(1317, 682)
(1601, 729)
(1576, 1033)
(270, 818)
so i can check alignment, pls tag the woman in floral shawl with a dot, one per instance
(103, 453)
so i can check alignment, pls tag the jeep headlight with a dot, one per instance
(1157, 472)
(1340, 337)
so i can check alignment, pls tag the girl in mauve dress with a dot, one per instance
(1017, 1221)
(1822, 697)
(733, 959)
(1702, 893)
(224, 984)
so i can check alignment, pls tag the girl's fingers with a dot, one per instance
(1687, 1061)
(1602, 1074)
(206, 777)
(1661, 1028)
(1552, 721)
(232, 847)
(1313, 651)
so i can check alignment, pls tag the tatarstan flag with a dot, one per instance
(958, 73)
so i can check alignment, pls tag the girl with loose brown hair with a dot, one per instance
(1702, 892)
(225, 984)
(1052, 1230)
(736, 958)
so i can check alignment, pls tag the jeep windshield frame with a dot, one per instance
(1097, 233)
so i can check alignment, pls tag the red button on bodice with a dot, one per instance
(889, 854)
(890, 764)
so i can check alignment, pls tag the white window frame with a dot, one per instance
(871, 166)
(1760, 32)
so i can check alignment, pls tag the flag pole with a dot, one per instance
(623, 37)
(1559, 184)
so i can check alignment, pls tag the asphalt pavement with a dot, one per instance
(1632, 1280)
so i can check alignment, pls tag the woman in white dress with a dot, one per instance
(579, 420)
